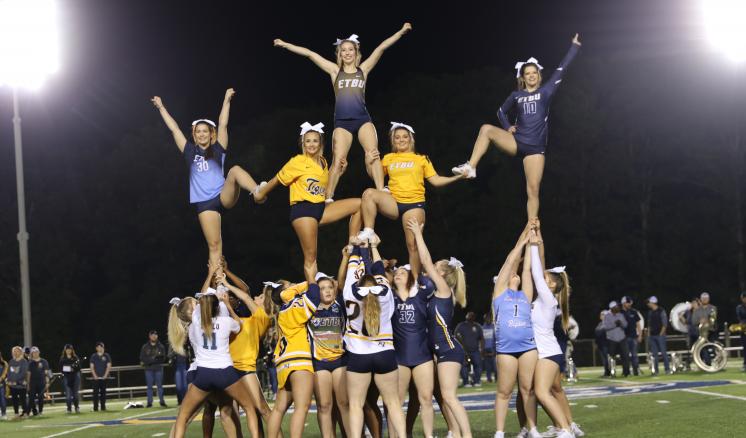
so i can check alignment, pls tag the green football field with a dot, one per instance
(693, 404)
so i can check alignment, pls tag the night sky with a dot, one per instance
(112, 236)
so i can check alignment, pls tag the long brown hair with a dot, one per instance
(521, 82)
(179, 318)
(63, 355)
(562, 290)
(208, 309)
(213, 138)
(371, 307)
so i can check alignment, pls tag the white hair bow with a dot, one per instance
(519, 65)
(198, 295)
(406, 267)
(305, 127)
(209, 291)
(456, 263)
(272, 284)
(175, 301)
(320, 275)
(209, 122)
(352, 38)
(557, 270)
(222, 288)
(365, 290)
(395, 125)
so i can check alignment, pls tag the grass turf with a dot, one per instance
(701, 411)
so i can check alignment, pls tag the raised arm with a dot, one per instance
(179, 137)
(329, 67)
(441, 287)
(527, 283)
(241, 295)
(223, 118)
(537, 272)
(210, 272)
(511, 263)
(261, 192)
(556, 77)
(342, 271)
(372, 60)
(234, 278)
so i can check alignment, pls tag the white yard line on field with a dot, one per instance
(87, 426)
(715, 394)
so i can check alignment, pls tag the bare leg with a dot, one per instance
(423, 380)
(357, 389)
(375, 201)
(341, 142)
(189, 405)
(307, 230)
(208, 419)
(322, 390)
(369, 140)
(448, 377)
(405, 376)
(339, 382)
(210, 223)
(387, 386)
(447, 414)
(559, 393)
(506, 377)
(526, 366)
(544, 375)
(240, 393)
(413, 408)
(492, 134)
(373, 416)
(533, 167)
(236, 180)
(302, 390)
(257, 397)
(414, 255)
(282, 402)
(343, 208)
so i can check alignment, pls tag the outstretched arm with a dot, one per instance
(556, 77)
(372, 60)
(223, 119)
(261, 195)
(440, 181)
(511, 264)
(210, 272)
(329, 67)
(234, 278)
(441, 287)
(342, 271)
(179, 137)
(241, 295)
(527, 283)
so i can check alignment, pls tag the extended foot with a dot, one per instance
(465, 170)
(366, 234)
(257, 193)
(577, 430)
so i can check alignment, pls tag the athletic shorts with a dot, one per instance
(516, 354)
(286, 369)
(190, 376)
(330, 365)
(351, 125)
(307, 209)
(559, 359)
(451, 355)
(403, 208)
(213, 204)
(524, 150)
(215, 379)
(377, 363)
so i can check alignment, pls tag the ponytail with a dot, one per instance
(455, 277)
(179, 319)
(208, 309)
(371, 314)
(562, 290)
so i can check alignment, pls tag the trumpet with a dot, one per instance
(737, 328)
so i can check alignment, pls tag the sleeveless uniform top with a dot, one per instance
(439, 316)
(533, 108)
(513, 331)
(356, 338)
(543, 311)
(349, 89)
(213, 351)
(410, 327)
(206, 178)
(326, 329)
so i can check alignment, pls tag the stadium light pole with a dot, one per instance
(723, 21)
(28, 47)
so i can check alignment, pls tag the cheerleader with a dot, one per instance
(527, 135)
(369, 339)
(209, 191)
(448, 282)
(349, 77)
(297, 304)
(307, 175)
(514, 336)
(407, 172)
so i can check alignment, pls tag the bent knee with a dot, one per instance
(504, 395)
(324, 408)
(369, 194)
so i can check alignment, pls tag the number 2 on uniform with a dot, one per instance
(515, 310)
(214, 345)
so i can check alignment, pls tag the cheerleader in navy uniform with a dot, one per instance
(209, 191)
(448, 352)
(349, 77)
(514, 335)
(527, 136)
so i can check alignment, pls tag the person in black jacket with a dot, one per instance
(152, 357)
(38, 382)
(70, 368)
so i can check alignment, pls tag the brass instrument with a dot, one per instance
(737, 328)
(718, 355)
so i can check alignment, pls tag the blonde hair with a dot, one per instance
(321, 145)
(411, 138)
(562, 289)
(270, 308)
(179, 318)
(521, 82)
(208, 309)
(358, 55)
(456, 280)
(371, 308)
(213, 132)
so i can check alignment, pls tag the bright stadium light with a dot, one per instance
(724, 23)
(28, 54)
(28, 42)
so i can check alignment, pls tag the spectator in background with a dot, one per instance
(615, 324)
(469, 334)
(706, 313)
(152, 357)
(100, 369)
(181, 366)
(634, 335)
(741, 316)
(657, 325)
(270, 341)
(3, 376)
(688, 318)
(70, 368)
(603, 347)
(18, 381)
(488, 352)
(38, 381)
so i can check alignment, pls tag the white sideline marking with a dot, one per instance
(159, 434)
(715, 394)
(591, 406)
(663, 402)
(88, 426)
